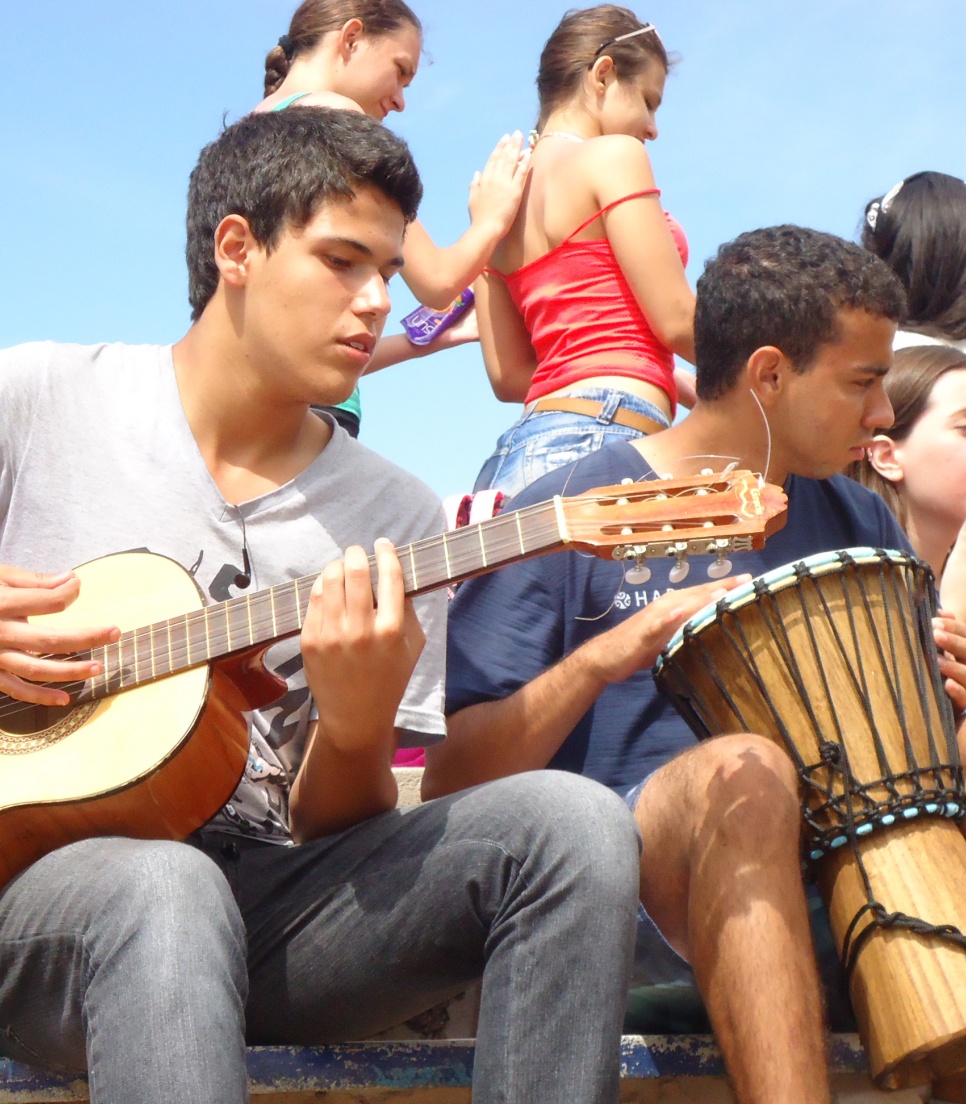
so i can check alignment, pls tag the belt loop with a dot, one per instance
(609, 407)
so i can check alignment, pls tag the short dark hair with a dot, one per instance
(919, 230)
(782, 286)
(275, 169)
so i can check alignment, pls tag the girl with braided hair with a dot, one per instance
(361, 55)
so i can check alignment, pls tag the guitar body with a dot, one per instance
(153, 762)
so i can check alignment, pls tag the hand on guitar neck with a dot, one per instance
(359, 650)
(23, 646)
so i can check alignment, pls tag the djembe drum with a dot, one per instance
(834, 658)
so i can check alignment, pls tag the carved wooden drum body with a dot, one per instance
(833, 657)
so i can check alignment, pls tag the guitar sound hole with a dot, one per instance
(25, 719)
(27, 727)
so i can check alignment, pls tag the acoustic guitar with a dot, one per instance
(155, 745)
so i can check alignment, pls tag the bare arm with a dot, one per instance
(397, 348)
(523, 731)
(687, 395)
(507, 351)
(435, 274)
(359, 653)
(642, 242)
(24, 645)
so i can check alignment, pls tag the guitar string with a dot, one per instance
(258, 608)
(179, 658)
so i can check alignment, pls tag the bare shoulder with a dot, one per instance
(615, 151)
(616, 165)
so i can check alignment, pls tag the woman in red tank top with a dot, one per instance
(585, 301)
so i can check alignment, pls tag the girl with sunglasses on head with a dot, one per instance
(585, 301)
(919, 229)
(361, 55)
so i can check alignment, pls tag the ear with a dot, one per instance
(602, 73)
(234, 244)
(352, 30)
(766, 373)
(885, 455)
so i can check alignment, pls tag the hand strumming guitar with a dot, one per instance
(24, 647)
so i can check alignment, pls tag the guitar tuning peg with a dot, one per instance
(638, 574)
(719, 568)
(679, 572)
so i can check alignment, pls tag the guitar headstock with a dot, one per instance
(709, 514)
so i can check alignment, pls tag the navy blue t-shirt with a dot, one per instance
(506, 628)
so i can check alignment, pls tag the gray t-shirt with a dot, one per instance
(97, 457)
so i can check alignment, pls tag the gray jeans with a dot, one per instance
(134, 959)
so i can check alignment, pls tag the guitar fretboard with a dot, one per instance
(213, 632)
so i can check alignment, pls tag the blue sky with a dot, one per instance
(776, 112)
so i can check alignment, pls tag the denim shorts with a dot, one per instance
(656, 962)
(543, 440)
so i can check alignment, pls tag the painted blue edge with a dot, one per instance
(446, 1063)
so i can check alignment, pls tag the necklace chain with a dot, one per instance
(535, 137)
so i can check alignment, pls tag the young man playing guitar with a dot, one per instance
(149, 963)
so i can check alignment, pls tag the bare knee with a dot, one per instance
(751, 791)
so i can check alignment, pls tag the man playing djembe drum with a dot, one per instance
(549, 661)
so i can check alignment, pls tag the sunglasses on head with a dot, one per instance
(648, 27)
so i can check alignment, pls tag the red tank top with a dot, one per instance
(583, 318)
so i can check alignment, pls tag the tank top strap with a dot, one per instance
(288, 101)
(610, 207)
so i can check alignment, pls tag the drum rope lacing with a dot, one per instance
(855, 806)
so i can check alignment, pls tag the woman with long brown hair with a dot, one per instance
(918, 464)
(362, 55)
(585, 302)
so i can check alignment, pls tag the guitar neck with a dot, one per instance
(213, 632)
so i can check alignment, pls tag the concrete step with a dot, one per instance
(656, 1069)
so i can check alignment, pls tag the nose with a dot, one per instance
(373, 297)
(651, 132)
(398, 100)
(879, 413)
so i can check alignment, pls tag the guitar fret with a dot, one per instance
(285, 607)
(479, 531)
(516, 518)
(238, 623)
(271, 606)
(412, 566)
